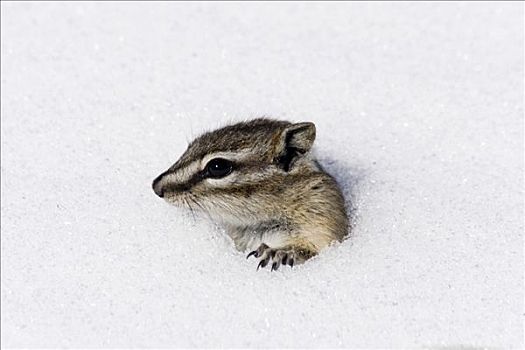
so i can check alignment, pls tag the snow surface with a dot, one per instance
(419, 110)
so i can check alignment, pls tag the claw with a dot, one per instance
(278, 257)
(262, 263)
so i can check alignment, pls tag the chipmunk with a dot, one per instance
(260, 181)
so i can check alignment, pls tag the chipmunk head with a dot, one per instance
(234, 173)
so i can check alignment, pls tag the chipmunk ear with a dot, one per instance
(295, 141)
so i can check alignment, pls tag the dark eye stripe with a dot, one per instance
(202, 175)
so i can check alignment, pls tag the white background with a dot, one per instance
(419, 111)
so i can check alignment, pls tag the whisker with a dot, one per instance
(191, 208)
(201, 207)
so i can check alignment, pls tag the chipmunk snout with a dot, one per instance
(165, 185)
(157, 185)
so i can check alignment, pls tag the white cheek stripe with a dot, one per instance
(181, 175)
(235, 156)
(222, 182)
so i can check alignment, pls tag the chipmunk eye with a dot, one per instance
(219, 167)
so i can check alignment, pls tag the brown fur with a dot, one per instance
(277, 201)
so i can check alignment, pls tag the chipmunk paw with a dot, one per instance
(279, 256)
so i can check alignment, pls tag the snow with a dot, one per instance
(419, 112)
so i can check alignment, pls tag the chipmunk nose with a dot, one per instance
(157, 186)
